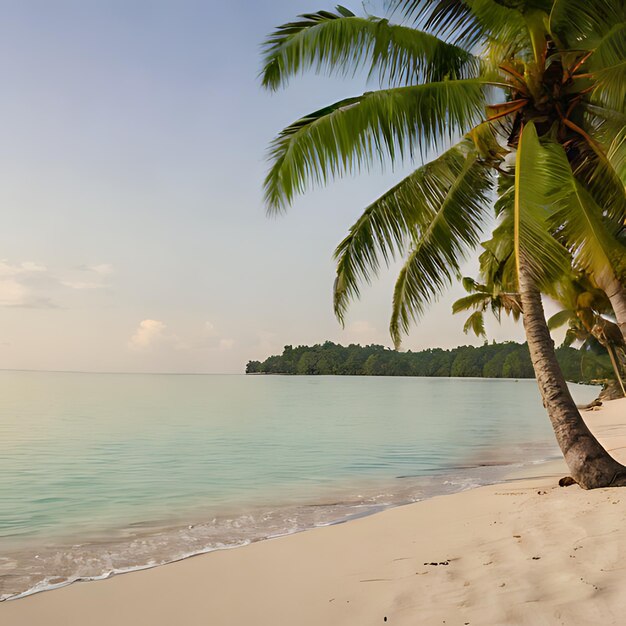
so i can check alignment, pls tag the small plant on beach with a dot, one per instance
(536, 92)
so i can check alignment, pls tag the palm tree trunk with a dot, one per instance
(599, 332)
(616, 294)
(590, 464)
(618, 374)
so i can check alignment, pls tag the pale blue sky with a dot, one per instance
(132, 158)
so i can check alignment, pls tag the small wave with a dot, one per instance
(140, 547)
(47, 584)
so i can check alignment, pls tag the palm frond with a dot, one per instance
(581, 24)
(458, 210)
(497, 262)
(470, 285)
(350, 135)
(388, 224)
(616, 154)
(608, 130)
(450, 19)
(543, 258)
(596, 172)
(560, 319)
(611, 89)
(476, 323)
(602, 123)
(473, 301)
(575, 218)
(610, 49)
(343, 43)
(591, 239)
(470, 23)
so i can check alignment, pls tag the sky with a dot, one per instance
(132, 152)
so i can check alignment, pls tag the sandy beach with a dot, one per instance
(522, 552)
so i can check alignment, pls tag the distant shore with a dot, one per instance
(491, 360)
(522, 552)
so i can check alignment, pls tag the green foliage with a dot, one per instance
(437, 212)
(351, 134)
(535, 90)
(460, 198)
(586, 23)
(470, 23)
(495, 360)
(343, 43)
(543, 257)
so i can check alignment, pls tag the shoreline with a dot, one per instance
(490, 545)
(339, 507)
(469, 455)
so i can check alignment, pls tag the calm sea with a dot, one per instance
(104, 473)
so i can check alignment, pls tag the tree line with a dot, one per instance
(491, 360)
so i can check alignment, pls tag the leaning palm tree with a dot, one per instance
(535, 91)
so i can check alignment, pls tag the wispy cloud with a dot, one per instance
(12, 293)
(23, 268)
(103, 269)
(79, 285)
(29, 284)
(153, 334)
(84, 278)
(16, 285)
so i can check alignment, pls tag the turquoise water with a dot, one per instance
(102, 473)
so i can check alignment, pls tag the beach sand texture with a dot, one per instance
(524, 552)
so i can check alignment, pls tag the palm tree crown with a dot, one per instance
(536, 91)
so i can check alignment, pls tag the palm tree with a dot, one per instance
(584, 307)
(535, 90)
(584, 311)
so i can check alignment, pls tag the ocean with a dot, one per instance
(107, 473)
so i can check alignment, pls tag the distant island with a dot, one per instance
(491, 360)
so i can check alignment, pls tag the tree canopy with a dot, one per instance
(491, 360)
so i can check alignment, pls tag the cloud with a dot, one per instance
(103, 269)
(15, 289)
(12, 293)
(210, 339)
(82, 285)
(17, 269)
(30, 266)
(155, 335)
(29, 284)
(148, 334)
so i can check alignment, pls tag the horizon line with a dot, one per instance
(49, 371)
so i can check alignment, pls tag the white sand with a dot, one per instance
(522, 552)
